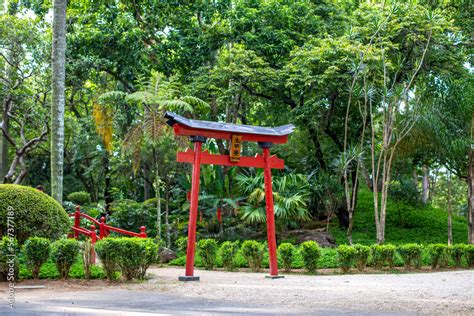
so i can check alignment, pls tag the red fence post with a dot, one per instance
(193, 210)
(77, 220)
(143, 232)
(102, 232)
(270, 212)
(93, 240)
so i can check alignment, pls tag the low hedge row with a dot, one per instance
(310, 256)
(39, 258)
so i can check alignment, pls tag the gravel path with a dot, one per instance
(221, 292)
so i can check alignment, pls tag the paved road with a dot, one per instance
(224, 293)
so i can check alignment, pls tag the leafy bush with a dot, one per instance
(252, 251)
(286, 252)
(36, 250)
(108, 251)
(439, 255)
(182, 244)
(131, 252)
(64, 254)
(227, 252)
(150, 257)
(411, 254)
(87, 249)
(310, 253)
(361, 256)
(470, 255)
(458, 251)
(131, 215)
(79, 197)
(382, 254)
(346, 255)
(34, 212)
(208, 251)
(8, 247)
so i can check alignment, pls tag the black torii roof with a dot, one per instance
(284, 130)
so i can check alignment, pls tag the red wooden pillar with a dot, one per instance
(267, 172)
(77, 220)
(93, 241)
(193, 210)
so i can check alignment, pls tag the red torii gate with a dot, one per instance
(199, 131)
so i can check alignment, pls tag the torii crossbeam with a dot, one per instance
(199, 131)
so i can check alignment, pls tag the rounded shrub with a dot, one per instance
(227, 252)
(150, 257)
(252, 251)
(134, 255)
(64, 253)
(108, 252)
(310, 252)
(286, 252)
(361, 256)
(79, 197)
(383, 254)
(9, 264)
(346, 255)
(411, 254)
(458, 251)
(36, 250)
(33, 213)
(439, 255)
(208, 251)
(470, 255)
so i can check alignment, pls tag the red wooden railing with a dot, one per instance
(104, 229)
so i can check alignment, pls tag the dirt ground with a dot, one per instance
(219, 292)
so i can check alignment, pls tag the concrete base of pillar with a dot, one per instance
(188, 278)
(274, 277)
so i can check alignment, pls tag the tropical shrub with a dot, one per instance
(286, 252)
(227, 252)
(310, 252)
(9, 265)
(458, 251)
(64, 254)
(131, 215)
(182, 244)
(150, 257)
(86, 250)
(346, 255)
(411, 254)
(438, 254)
(361, 256)
(252, 251)
(36, 250)
(79, 197)
(108, 252)
(470, 255)
(34, 213)
(208, 251)
(382, 254)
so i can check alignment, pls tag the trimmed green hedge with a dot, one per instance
(32, 212)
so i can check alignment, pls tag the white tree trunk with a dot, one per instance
(425, 185)
(58, 98)
(450, 211)
(470, 185)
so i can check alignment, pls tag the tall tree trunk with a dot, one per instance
(158, 196)
(470, 185)
(108, 183)
(450, 211)
(4, 144)
(425, 185)
(167, 214)
(58, 98)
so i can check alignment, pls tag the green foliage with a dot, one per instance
(470, 255)
(208, 251)
(34, 213)
(36, 250)
(87, 252)
(346, 255)
(383, 254)
(64, 254)
(253, 251)
(227, 253)
(286, 252)
(79, 198)
(439, 254)
(9, 247)
(108, 252)
(361, 256)
(182, 244)
(310, 252)
(411, 254)
(458, 252)
(131, 215)
(150, 256)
